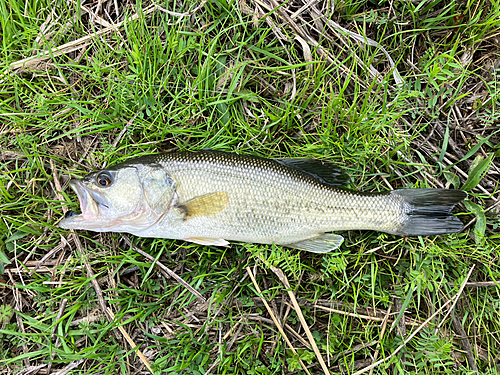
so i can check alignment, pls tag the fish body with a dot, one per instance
(211, 197)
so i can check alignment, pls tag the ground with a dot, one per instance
(399, 93)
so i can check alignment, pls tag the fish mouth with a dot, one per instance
(89, 206)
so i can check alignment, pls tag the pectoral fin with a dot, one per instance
(324, 243)
(208, 241)
(204, 205)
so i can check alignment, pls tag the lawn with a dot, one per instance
(401, 94)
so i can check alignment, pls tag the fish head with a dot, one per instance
(119, 200)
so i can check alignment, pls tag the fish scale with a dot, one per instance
(213, 197)
(283, 206)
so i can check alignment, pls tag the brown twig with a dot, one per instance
(464, 341)
(131, 342)
(382, 331)
(401, 330)
(450, 310)
(355, 349)
(480, 284)
(59, 315)
(414, 333)
(281, 275)
(32, 370)
(166, 269)
(286, 325)
(398, 349)
(359, 316)
(75, 44)
(20, 324)
(91, 276)
(185, 14)
(52, 252)
(69, 367)
(270, 311)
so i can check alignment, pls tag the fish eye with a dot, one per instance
(69, 214)
(104, 179)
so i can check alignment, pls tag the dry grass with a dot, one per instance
(91, 83)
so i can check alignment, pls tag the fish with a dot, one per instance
(212, 197)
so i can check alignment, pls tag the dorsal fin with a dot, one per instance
(323, 171)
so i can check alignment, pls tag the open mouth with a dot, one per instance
(89, 207)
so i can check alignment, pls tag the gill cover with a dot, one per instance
(158, 188)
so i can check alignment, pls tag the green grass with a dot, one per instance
(221, 79)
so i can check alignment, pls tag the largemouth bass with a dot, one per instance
(211, 197)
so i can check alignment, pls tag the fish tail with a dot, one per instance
(428, 211)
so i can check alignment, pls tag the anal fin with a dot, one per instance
(324, 243)
(208, 241)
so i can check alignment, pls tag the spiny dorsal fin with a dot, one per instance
(205, 205)
(323, 171)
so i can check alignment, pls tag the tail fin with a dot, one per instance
(429, 211)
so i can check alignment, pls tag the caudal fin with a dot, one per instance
(429, 211)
